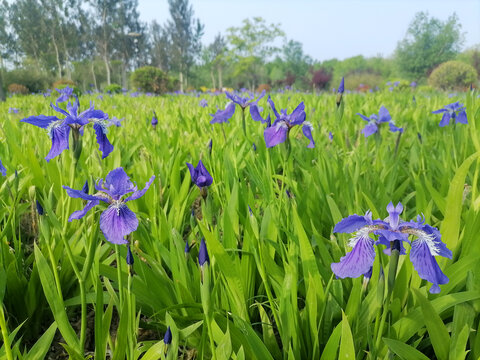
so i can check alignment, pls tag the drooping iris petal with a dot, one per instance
(3, 171)
(445, 119)
(118, 183)
(81, 213)
(104, 144)
(275, 134)
(426, 265)
(42, 121)
(394, 128)
(351, 224)
(116, 222)
(139, 193)
(223, 115)
(370, 129)
(307, 131)
(272, 105)
(358, 261)
(255, 113)
(383, 115)
(462, 117)
(59, 135)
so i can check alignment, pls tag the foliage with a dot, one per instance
(428, 42)
(30, 77)
(151, 79)
(320, 78)
(113, 89)
(364, 80)
(17, 89)
(453, 75)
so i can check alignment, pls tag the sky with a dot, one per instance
(328, 29)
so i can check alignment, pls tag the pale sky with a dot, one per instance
(328, 29)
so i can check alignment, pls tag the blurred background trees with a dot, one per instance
(98, 43)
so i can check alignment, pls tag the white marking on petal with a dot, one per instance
(425, 238)
(53, 125)
(363, 232)
(309, 124)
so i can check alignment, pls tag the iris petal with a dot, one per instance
(356, 262)
(104, 145)
(59, 135)
(138, 194)
(116, 222)
(81, 213)
(275, 134)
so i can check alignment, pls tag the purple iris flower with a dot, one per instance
(117, 221)
(413, 84)
(65, 94)
(167, 339)
(330, 136)
(129, 258)
(278, 132)
(374, 122)
(455, 111)
(392, 232)
(3, 171)
(203, 103)
(222, 116)
(154, 121)
(59, 129)
(396, 83)
(12, 110)
(39, 208)
(200, 176)
(341, 88)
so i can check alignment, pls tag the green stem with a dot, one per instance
(206, 303)
(131, 313)
(244, 125)
(119, 275)
(83, 296)
(6, 340)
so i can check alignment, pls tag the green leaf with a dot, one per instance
(347, 349)
(404, 351)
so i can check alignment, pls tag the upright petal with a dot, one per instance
(103, 144)
(426, 265)
(462, 117)
(383, 115)
(42, 121)
(275, 134)
(445, 119)
(394, 214)
(116, 222)
(307, 131)
(59, 135)
(139, 193)
(81, 213)
(298, 115)
(356, 262)
(118, 183)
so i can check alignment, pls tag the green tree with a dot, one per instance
(251, 46)
(184, 33)
(428, 42)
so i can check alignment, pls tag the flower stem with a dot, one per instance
(392, 272)
(206, 303)
(6, 340)
(244, 125)
(77, 145)
(119, 275)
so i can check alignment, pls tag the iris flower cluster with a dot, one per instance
(222, 116)
(454, 111)
(375, 121)
(117, 221)
(393, 233)
(3, 171)
(278, 132)
(59, 128)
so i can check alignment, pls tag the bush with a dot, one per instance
(17, 89)
(453, 75)
(113, 89)
(31, 78)
(150, 79)
(262, 87)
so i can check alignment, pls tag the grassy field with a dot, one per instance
(268, 291)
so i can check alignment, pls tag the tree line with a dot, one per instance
(96, 43)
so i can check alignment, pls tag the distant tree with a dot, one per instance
(428, 42)
(214, 56)
(184, 33)
(251, 45)
(160, 45)
(320, 78)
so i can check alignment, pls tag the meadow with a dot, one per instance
(268, 290)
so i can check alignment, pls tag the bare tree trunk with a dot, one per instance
(124, 72)
(107, 67)
(180, 75)
(220, 80)
(213, 78)
(92, 67)
(57, 56)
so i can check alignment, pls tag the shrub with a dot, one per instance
(453, 75)
(60, 84)
(150, 79)
(17, 89)
(262, 87)
(113, 89)
(33, 79)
